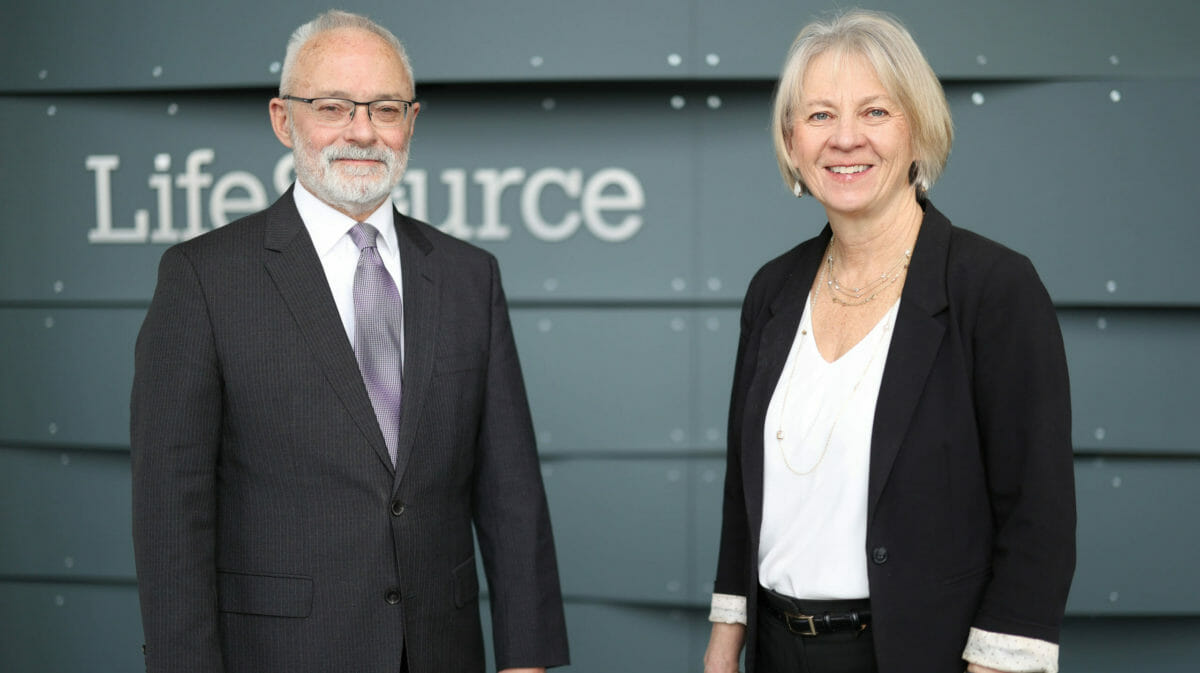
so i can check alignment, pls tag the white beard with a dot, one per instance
(350, 189)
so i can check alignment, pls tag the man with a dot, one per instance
(322, 409)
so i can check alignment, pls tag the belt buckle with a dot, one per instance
(802, 620)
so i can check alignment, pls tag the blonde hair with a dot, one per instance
(333, 20)
(901, 68)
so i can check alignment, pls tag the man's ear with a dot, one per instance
(280, 121)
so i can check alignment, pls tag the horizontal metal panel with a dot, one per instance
(576, 201)
(1133, 380)
(67, 374)
(613, 379)
(65, 514)
(621, 528)
(135, 45)
(1137, 542)
(1120, 645)
(69, 627)
(977, 40)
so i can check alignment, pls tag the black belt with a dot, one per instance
(785, 610)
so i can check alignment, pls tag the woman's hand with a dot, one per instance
(976, 668)
(724, 648)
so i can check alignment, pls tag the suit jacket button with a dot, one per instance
(397, 508)
(392, 597)
(879, 555)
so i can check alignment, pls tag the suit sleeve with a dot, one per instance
(1023, 406)
(174, 438)
(512, 520)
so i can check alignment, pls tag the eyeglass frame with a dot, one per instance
(408, 105)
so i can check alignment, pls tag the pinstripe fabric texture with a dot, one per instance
(379, 320)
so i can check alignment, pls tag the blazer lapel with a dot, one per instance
(916, 340)
(775, 342)
(292, 262)
(421, 284)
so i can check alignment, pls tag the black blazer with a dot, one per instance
(271, 531)
(971, 518)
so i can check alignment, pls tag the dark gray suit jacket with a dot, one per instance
(971, 511)
(271, 531)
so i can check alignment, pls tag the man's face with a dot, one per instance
(355, 167)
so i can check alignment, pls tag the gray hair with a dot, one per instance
(333, 20)
(902, 70)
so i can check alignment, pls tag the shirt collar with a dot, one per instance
(326, 225)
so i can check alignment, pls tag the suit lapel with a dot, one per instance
(775, 342)
(915, 343)
(292, 262)
(421, 283)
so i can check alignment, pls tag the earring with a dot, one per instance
(798, 190)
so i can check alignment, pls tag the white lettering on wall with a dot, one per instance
(607, 203)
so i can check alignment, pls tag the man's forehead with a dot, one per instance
(352, 50)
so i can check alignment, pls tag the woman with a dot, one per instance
(899, 491)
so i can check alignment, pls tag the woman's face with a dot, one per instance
(850, 140)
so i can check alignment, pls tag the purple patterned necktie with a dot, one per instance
(378, 319)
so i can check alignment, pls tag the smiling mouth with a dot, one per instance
(848, 170)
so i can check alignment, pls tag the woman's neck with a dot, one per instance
(863, 246)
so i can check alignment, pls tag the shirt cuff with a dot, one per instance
(1007, 652)
(728, 609)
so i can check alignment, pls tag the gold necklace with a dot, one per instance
(779, 434)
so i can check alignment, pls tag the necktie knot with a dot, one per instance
(364, 235)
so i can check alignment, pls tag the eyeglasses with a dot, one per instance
(339, 112)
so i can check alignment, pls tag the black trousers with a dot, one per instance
(778, 650)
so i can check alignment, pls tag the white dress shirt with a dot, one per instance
(330, 233)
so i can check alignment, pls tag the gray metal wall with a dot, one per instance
(615, 157)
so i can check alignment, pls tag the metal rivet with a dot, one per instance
(678, 284)
(977, 98)
(677, 102)
(275, 67)
(42, 74)
(1116, 482)
(1114, 60)
(674, 586)
(550, 284)
(1111, 286)
(714, 102)
(1102, 323)
(52, 110)
(548, 104)
(1100, 434)
(713, 324)
(59, 600)
(162, 162)
(712, 434)
(677, 435)
(678, 325)
(1113, 596)
(58, 287)
(49, 322)
(674, 475)
(1114, 96)
(981, 59)
(536, 61)
(64, 459)
(544, 325)
(69, 562)
(713, 60)
(714, 284)
(708, 476)
(173, 109)
(674, 60)
(157, 71)
(53, 428)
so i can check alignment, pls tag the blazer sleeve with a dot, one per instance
(512, 520)
(733, 571)
(174, 438)
(1023, 408)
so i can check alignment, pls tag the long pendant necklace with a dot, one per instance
(779, 434)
